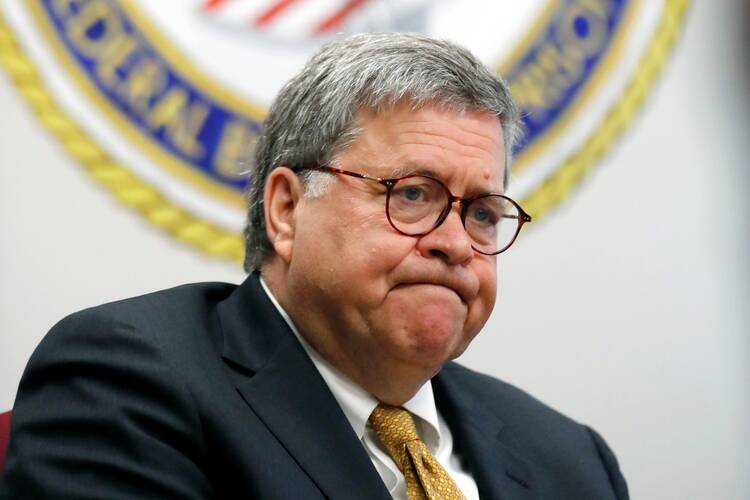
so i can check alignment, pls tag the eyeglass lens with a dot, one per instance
(417, 203)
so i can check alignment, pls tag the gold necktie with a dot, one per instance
(425, 477)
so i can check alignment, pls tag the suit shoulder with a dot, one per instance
(184, 299)
(508, 401)
(567, 450)
(154, 318)
(110, 375)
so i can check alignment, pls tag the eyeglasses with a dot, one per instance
(416, 205)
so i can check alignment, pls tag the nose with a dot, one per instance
(449, 241)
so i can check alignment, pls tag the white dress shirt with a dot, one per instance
(357, 405)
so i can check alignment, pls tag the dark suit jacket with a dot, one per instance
(202, 391)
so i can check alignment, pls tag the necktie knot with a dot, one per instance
(393, 425)
(425, 477)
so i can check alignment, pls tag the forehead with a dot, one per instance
(460, 147)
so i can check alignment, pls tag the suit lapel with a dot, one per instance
(482, 441)
(284, 389)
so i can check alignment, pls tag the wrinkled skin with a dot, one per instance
(387, 310)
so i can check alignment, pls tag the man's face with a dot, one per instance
(379, 298)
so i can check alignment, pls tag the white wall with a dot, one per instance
(627, 309)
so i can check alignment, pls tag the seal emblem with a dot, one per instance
(163, 101)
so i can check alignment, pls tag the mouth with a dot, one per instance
(460, 283)
(437, 287)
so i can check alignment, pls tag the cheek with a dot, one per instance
(356, 250)
(355, 224)
(482, 307)
(373, 247)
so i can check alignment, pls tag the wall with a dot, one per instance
(626, 309)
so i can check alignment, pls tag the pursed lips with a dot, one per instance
(461, 287)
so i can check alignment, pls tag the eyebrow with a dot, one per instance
(414, 169)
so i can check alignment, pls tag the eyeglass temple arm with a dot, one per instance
(523, 216)
(343, 172)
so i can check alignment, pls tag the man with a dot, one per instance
(376, 217)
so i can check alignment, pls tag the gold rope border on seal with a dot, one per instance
(555, 188)
(121, 182)
(212, 240)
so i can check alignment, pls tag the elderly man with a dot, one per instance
(376, 216)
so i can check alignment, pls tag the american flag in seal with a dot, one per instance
(284, 19)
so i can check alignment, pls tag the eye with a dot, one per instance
(413, 193)
(481, 215)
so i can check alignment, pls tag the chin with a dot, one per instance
(431, 345)
(426, 330)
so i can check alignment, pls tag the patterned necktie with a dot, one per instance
(425, 477)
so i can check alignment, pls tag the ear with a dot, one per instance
(281, 198)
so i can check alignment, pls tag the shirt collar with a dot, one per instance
(356, 403)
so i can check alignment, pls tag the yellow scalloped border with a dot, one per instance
(556, 187)
(121, 182)
(212, 240)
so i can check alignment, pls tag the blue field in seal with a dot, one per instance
(187, 123)
(555, 68)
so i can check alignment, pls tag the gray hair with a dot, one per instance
(313, 117)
